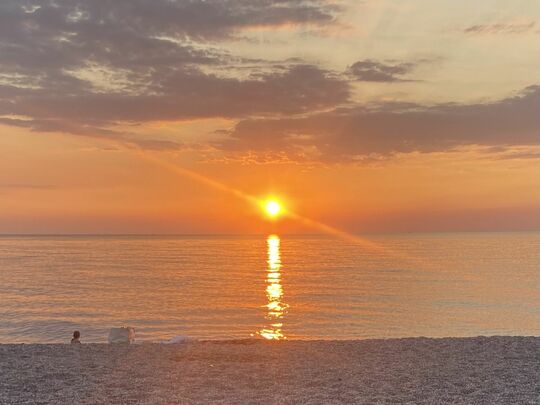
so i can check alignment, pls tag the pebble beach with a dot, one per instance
(480, 370)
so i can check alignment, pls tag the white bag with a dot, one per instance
(180, 339)
(122, 335)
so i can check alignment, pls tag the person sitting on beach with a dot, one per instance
(76, 337)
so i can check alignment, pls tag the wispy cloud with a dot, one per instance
(376, 71)
(501, 28)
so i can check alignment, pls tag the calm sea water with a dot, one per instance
(269, 286)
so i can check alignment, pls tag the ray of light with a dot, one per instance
(316, 225)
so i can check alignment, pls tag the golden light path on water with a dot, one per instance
(274, 292)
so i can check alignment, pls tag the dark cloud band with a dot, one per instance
(349, 134)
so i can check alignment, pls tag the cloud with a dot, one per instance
(372, 132)
(374, 71)
(41, 37)
(84, 66)
(501, 28)
(184, 95)
(118, 137)
(197, 19)
(509, 153)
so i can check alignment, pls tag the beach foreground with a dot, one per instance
(481, 370)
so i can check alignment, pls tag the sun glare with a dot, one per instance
(272, 208)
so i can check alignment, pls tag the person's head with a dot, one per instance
(76, 334)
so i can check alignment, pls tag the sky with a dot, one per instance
(122, 116)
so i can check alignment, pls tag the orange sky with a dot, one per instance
(354, 114)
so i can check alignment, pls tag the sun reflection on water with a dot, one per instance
(274, 292)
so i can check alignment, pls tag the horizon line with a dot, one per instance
(263, 233)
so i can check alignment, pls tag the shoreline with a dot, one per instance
(252, 340)
(495, 369)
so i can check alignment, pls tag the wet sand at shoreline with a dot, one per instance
(481, 370)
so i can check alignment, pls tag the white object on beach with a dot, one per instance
(180, 339)
(122, 335)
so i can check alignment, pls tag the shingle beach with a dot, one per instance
(481, 370)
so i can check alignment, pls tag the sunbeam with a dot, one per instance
(257, 202)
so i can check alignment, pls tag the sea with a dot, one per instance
(269, 286)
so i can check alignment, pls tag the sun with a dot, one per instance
(272, 208)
